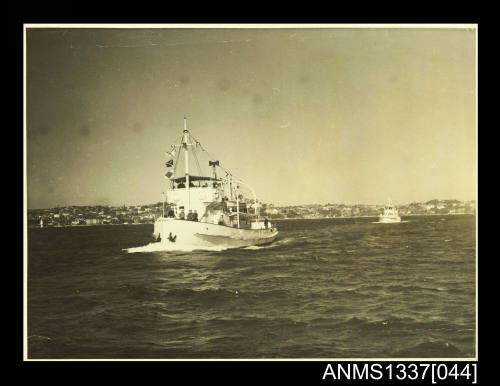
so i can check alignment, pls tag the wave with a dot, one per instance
(440, 349)
(40, 337)
(213, 293)
(274, 244)
(394, 323)
(257, 323)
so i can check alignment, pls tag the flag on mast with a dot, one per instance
(171, 153)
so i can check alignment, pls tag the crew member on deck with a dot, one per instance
(266, 222)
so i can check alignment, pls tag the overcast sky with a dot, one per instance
(303, 115)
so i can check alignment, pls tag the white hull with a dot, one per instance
(387, 220)
(202, 234)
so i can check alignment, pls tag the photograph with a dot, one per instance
(250, 192)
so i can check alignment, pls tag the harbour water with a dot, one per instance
(327, 288)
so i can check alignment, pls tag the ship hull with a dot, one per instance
(200, 234)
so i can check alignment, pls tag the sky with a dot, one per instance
(304, 115)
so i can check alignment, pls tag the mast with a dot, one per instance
(163, 208)
(237, 206)
(186, 156)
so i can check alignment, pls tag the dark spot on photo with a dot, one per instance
(43, 130)
(257, 99)
(184, 79)
(224, 84)
(35, 132)
(137, 127)
(84, 130)
(304, 79)
(51, 189)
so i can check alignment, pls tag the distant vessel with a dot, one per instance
(208, 211)
(390, 214)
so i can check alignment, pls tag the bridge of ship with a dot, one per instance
(211, 203)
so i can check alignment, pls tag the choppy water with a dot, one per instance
(332, 288)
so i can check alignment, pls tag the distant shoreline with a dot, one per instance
(406, 215)
(85, 225)
(270, 219)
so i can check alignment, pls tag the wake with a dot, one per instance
(274, 244)
(177, 247)
(172, 247)
(378, 222)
